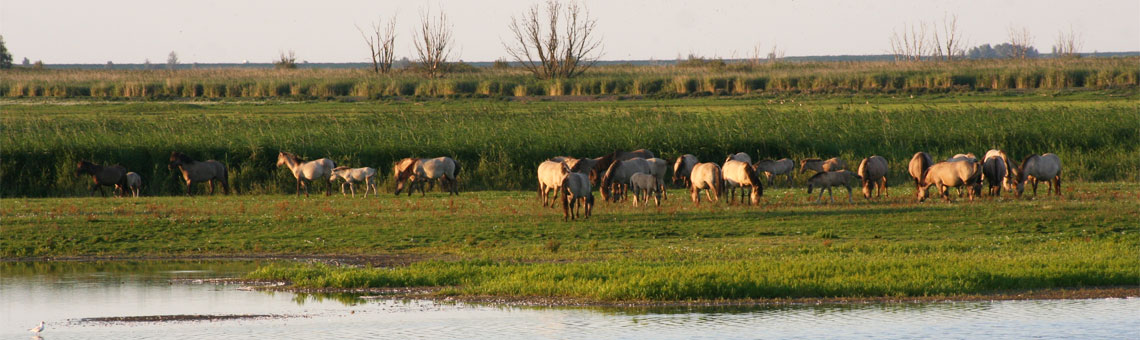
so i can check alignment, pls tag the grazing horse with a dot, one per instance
(974, 183)
(616, 178)
(874, 171)
(819, 165)
(306, 171)
(550, 176)
(1004, 173)
(642, 185)
(682, 168)
(134, 183)
(575, 192)
(824, 180)
(1035, 168)
(195, 172)
(351, 176)
(706, 176)
(773, 168)
(949, 174)
(111, 176)
(739, 156)
(601, 164)
(418, 171)
(741, 174)
(660, 169)
(917, 167)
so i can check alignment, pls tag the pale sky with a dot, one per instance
(208, 31)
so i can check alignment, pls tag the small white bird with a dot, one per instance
(37, 329)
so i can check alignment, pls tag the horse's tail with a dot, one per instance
(458, 167)
(226, 179)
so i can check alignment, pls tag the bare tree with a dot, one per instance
(557, 43)
(948, 41)
(381, 40)
(433, 43)
(911, 44)
(1068, 44)
(1021, 40)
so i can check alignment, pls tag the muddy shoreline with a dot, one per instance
(430, 293)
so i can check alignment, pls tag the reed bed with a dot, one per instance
(733, 79)
(499, 143)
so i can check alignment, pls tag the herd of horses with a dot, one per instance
(642, 175)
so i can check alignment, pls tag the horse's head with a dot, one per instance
(281, 157)
(1022, 175)
(177, 159)
(84, 167)
(607, 181)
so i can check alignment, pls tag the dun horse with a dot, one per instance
(601, 164)
(195, 172)
(412, 173)
(739, 156)
(351, 176)
(660, 168)
(740, 174)
(643, 185)
(110, 176)
(997, 172)
(950, 174)
(1035, 168)
(824, 180)
(874, 172)
(917, 167)
(682, 169)
(706, 176)
(576, 193)
(550, 178)
(306, 171)
(773, 168)
(615, 181)
(819, 165)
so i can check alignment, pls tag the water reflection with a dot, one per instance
(62, 293)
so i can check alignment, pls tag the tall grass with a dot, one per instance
(715, 78)
(500, 143)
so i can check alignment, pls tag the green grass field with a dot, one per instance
(500, 143)
(504, 244)
(495, 239)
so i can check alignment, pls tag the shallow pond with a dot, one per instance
(65, 294)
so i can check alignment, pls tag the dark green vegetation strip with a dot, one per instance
(504, 244)
(500, 143)
(688, 79)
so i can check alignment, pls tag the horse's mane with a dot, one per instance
(341, 168)
(183, 157)
(818, 174)
(609, 175)
(751, 173)
(293, 157)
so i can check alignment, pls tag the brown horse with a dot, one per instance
(707, 177)
(114, 175)
(741, 174)
(195, 172)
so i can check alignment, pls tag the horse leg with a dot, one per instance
(884, 188)
(211, 182)
(695, 195)
(1058, 179)
(1035, 187)
(188, 184)
(849, 194)
(299, 188)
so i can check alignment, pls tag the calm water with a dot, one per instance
(64, 293)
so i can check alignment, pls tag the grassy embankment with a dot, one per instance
(504, 244)
(688, 79)
(500, 143)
